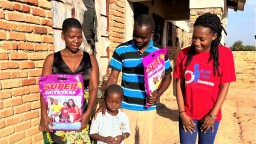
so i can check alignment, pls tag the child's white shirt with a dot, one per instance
(109, 125)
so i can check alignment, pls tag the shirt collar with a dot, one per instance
(149, 46)
(117, 116)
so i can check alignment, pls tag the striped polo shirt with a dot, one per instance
(128, 59)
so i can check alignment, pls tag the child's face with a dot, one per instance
(202, 38)
(113, 102)
(55, 101)
(155, 79)
(65, 105)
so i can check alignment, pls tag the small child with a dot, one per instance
(113, 127)
(64, 112)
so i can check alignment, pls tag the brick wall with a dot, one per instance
(179, 40)
(116, 24)
(26, 38)
(245, 65)
(194, 13)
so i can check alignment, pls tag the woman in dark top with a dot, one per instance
(71, 60)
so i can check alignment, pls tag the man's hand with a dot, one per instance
(153, 98)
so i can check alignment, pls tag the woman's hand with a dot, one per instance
(187, 122)
(44, 124)
(85, 118)
(208, 122)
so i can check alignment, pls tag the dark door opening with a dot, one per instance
(139, 9)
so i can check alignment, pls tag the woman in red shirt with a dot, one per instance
(203, 72)
(74, 112)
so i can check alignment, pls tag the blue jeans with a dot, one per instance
(203, 138)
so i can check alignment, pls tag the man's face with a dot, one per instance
(55, 101)
(142, 35)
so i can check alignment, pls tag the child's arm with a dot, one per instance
(98, 137)
(120, 138)
(94, 131)
(125, 130)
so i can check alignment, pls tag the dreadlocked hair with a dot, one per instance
(211, 21)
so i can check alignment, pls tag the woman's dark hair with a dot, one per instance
(213, 22)
(145, 20)
(69, 106)
(114, 88)
(70, 23)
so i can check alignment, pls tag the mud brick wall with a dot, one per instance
(26, 38)
(245, 65)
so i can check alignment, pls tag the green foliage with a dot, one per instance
(238, 46)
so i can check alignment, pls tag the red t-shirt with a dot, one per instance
(202, 86)
(64, 112)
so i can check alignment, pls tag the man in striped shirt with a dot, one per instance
(127, 58)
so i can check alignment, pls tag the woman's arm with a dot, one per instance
(47, 70)
(93, 84)
(187, 121)
(221, 98)
(45, 120)
(180, 92)
(93, 87)
(77, 110)
(209, 119)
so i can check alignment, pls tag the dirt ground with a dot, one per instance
(238, 124)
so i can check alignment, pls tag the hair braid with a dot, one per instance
(211, 21)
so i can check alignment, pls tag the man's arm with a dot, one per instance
(165, 84)
(155, 95)
(113, 77)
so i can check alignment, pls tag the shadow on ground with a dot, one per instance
(166, 112)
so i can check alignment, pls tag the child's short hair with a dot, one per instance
(114, 88)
